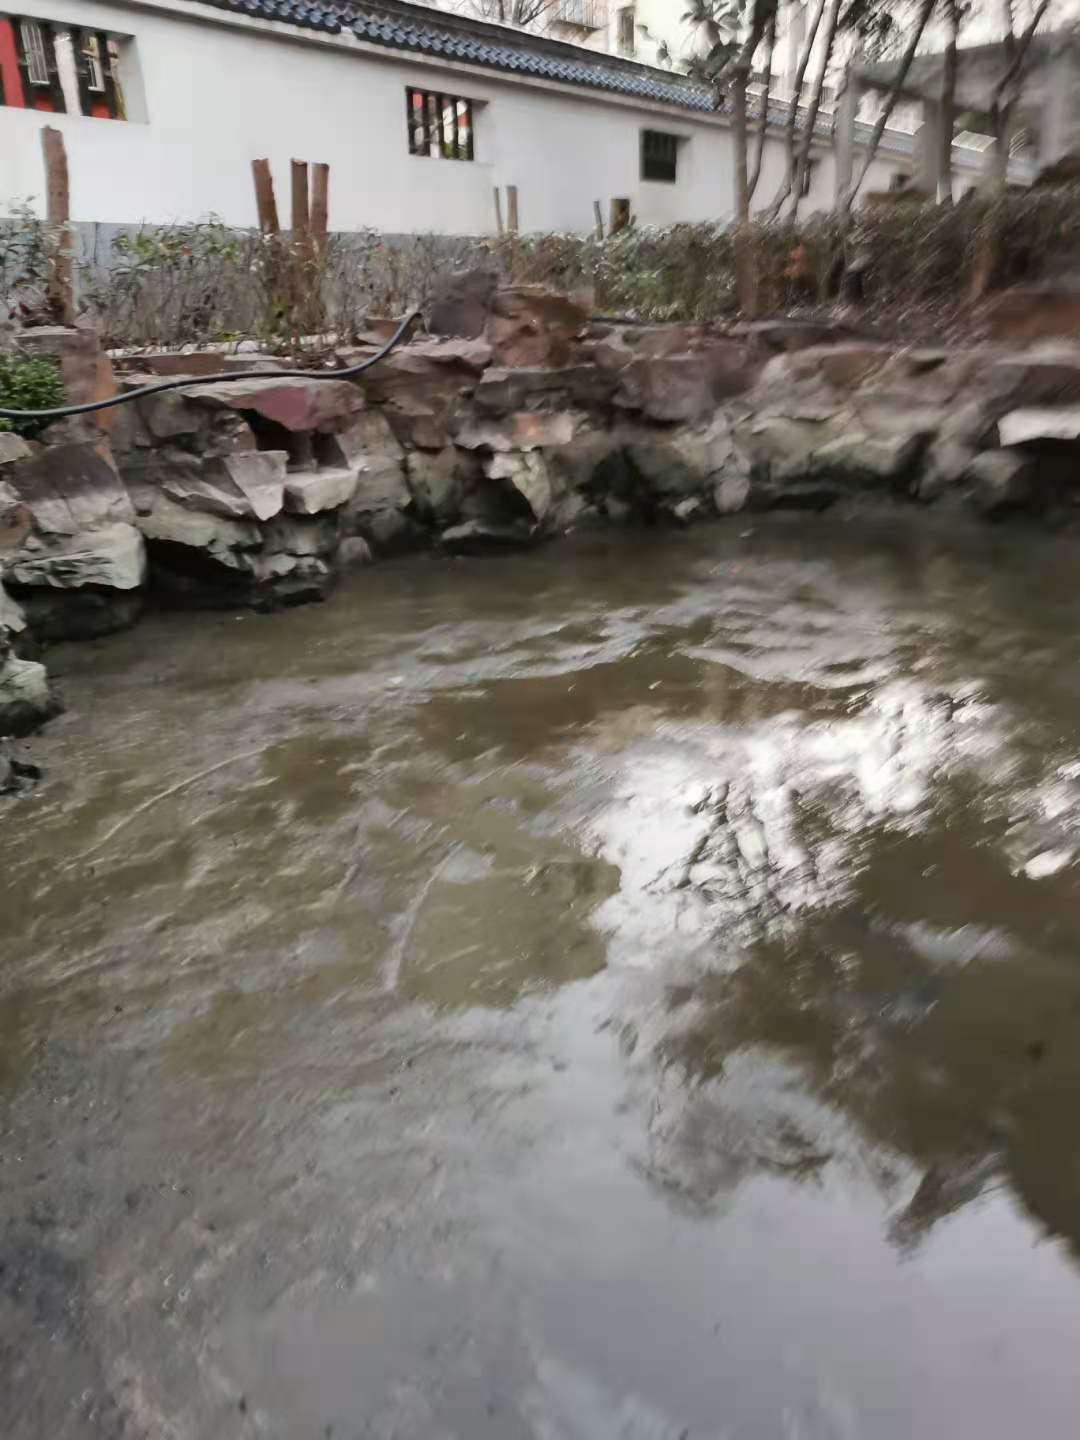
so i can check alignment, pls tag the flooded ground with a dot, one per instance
(625, 992)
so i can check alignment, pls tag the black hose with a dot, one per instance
(186, 384)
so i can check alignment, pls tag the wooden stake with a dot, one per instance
(512, 209)
(498, 212)
(599, 218)
(58, 212)
(301, 220)
(265, 204)
(620, 216)
(320, 205)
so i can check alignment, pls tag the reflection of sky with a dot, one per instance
(709, 822)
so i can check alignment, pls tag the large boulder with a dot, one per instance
(86, 374)
(250, 485)
(870, 462)
(376, 510)
(521, 430)
(1004, 482)
(528, 473)
(532, 326)
(461, 302)
(844, 367)
(584, 386)
(68, 489)
(1047, 375)
(294, 404)
(421, 385)
(25, 699)
(202, 559)
(1035, 426)
(686, 388)
(437, 481)
(70, 548)
(328, 488)
(108, 556)
(1033, 312)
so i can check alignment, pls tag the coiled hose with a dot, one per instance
(90, 406)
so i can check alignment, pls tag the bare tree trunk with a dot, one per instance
(815, 105)
(745, 276)
(947, 117)
(792, 116)
(763, 125)
(1002, 108)
(925, 11)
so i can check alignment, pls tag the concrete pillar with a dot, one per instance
(1059, 111)
(928, 150)
(844, 131)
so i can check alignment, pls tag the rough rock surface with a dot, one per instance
(460, 303)
(532, 326)
(25, 698)
(253, 492)
(70, 548)
(312, 405)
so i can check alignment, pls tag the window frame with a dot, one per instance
(441, 126)
(650, 156)
(626, 43)
(95, 62)
(35, 50)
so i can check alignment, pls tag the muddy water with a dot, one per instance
(622, 993)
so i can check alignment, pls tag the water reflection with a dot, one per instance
(609, 993)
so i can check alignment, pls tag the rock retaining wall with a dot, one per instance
(258, 491)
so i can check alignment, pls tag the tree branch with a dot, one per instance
(1016, 50)
(788, 183)
(925, 12)
(815, 103)
(755, 173)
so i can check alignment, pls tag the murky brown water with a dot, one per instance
(622, 993)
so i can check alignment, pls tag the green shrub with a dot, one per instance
(28, 385)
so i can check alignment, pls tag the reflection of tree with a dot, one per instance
(937, 1041)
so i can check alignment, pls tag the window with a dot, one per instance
(585, 14)
(95, 74)
(626, 31)
(33, 46)
(807, 177)
(439, 125)
(46, 65)
(659, 155)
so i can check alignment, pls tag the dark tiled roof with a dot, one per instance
(434, 40)
(427, 31)
(439, 35)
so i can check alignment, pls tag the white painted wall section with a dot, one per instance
(208, 97)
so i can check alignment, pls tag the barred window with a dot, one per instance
(659, 155)
(95, 71)
(440, 126)
(53, 67)
(33, 45)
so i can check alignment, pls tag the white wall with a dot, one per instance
(216, 96)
